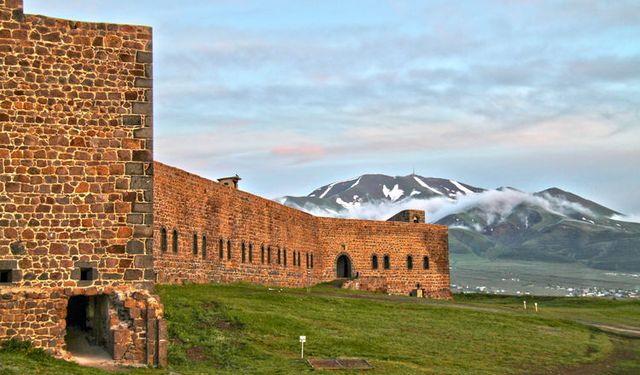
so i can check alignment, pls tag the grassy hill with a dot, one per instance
(219, 329)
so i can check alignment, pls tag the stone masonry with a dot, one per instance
(206, 231)
(89, 222)
(76, 184)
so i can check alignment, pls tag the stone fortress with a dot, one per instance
(89, 222)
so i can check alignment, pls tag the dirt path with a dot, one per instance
(622, 352)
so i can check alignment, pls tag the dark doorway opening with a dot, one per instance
(87, 336)
(344, 267)
(77, 312)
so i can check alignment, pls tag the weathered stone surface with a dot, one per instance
(142, 108)
(144, 261)
(144, 57)
(79, 189)
(133, 169)
(298, 248)
(17, 248)
(135, 247)
(73, 102)
(144, 83)
(131, 120)
(133, 274)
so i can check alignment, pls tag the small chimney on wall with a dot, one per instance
(230, 181)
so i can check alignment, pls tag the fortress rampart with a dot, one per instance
(206, 231)
(89, 223)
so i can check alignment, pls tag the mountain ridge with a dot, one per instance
(552, 225)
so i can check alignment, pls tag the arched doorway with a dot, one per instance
(343, 267)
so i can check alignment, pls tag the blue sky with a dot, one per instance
(292, 95)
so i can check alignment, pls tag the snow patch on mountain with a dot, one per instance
(461, 187)
(393, 194)
(328, 189)
(628, 218)
(425, 185)
(356, 183)
(494, 205)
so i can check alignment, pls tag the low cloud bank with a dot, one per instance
(492, 205)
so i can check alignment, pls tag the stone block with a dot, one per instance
(143, 261)
(142, 155)
(142, 231)
(143, 133)
(131, 274)
(144, 57)
(135, 218)
(131, 120)
(142, 207)
(142, 108)
(141, 182)
(143, 83)
(134, 169)
(135, 247)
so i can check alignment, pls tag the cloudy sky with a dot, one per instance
(292, 95)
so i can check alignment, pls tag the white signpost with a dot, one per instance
(303, 339)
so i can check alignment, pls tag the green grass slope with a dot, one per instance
(216, 329)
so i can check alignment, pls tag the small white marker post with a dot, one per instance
(536, 305)
(525, 304)
(303, 339)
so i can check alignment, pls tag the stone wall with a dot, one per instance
(361, 240)
(77, 203)
(136, 329)
(198, 210)
(191, 205)
(75, 145)
(76, 166)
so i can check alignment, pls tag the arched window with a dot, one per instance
(416, 219)
(262, 254)
(228, 249)
(163, 239)
(221, 248)
(299, 259)
(284, 256)
(250, 252)
(409, 262)
(204, 246)
(425, 263)
(306, 264)
(387, 262)
(311, 260)
(294, 258)
(195, 244)
(374, 262)
(269, 254)
(244, 250)
(174, 242)
(279, 255)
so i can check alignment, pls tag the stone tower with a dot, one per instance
(76, 184)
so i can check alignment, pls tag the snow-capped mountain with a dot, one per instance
(345, 195)
(551, 225)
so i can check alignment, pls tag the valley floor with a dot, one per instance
(471, 273)
(232, 329)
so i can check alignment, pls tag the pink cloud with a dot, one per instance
(302, 152)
